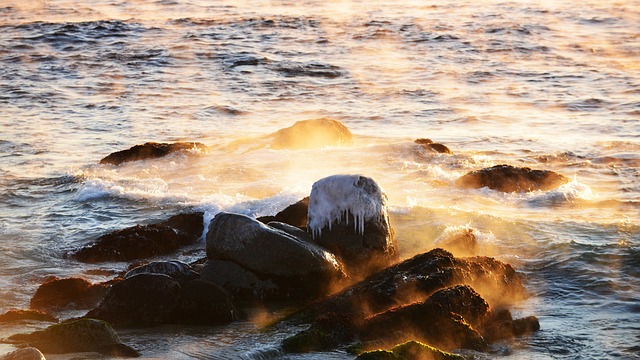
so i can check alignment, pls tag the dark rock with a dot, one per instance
(428, 144)
(29, 353)
(204, 303)
(500, 325)
(270, 252)
(295, 215)
(150, 150)
(238, 281)
(507, 178)
(327, 332)
(311, 69)
(27, 315)
(83, 335)
(291, 230)
(348, 216)
(141, 300)
(177, 270)
(70, 293)
(143, 241)
(411, 350)
(307, 134)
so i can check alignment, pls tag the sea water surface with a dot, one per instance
(546, 84)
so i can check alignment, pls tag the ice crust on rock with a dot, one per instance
(336, 197)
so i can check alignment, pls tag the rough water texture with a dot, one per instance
(545, 85)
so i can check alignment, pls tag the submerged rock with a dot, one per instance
(507, 178)
(70, 293)
(26, 315)
(308, 134)
(150, 150)
(177, 270)
(83, 335)
(141, 300)
(142, 241)
(348, 215)
(428, 144)
(411, 350)
(29, 353)
(266, 251)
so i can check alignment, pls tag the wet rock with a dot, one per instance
(150, 150)
(29, 353)
(327, 332)
(272, 253)
(238, 281)
(428, 144)
(501, 325)
(443, 320)
(415, 279)
(143, 241)
(460, 242)
(507, 178)
(25, 315)
(348, 216)
(311, 69)
(307, 134)
(70, 293)
(204, 303)
(411, 350)
(291, 230)
(83, 335)
(177, 270)
(295, 215)
(141, 300)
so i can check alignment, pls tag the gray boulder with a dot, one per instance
(273, 253)
(348, 216)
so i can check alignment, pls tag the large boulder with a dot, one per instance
(69, 293)
(83, 335)
(348, 215)
(143, 241)
(269, 252)
(175, 269)
(204, 303)
(150, 150)
(239, 282)
(507, 178)
(141, 300)
(314, 133)
(294, 214)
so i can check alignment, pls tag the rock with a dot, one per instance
(70, 293)
(25, 315)
(273, 253)
(151, 150)
(238, 281)
(428, 144)
(295, 215)
(327, 332)
(141, 300)
(415, 279)
(291, 230)
(411, 350)
(83, 335)
(312, 69)
(143, 241)
(309, 134)
(204, 303)
(29, 353)
(177, 270)
(461, 241)
(444, 320)
(348, 216)
(507, 178)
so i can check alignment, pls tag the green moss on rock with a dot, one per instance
(411, 350)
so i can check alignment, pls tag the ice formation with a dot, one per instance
(335, 197)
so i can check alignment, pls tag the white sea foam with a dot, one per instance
(453, 231)
(568, 193)
(336, 197)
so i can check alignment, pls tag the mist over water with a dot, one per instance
(549, 85)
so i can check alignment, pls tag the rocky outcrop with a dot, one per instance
(302, 267)
(70, 293)
(348, 216)
(177, 270)
(83, 335)
(27, 315)
(151, 150)
(428, 144)
(507, 178)
(411, 350)
(29, 353)
(141, 300)
(295, 215)
(143, 241)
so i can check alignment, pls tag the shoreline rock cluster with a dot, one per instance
(333, 253)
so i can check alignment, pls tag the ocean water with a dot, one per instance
(545, 84)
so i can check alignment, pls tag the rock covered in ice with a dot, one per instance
(348, 215)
